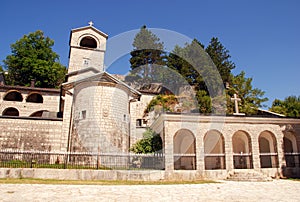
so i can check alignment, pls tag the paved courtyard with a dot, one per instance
(277, 190)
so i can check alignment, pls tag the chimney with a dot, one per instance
(32, 83)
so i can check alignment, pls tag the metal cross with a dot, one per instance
(91, 23)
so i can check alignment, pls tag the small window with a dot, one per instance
(139, 122)
(10, 112)
(83, 114)
(88, 42)
(125, 118)
(13, 96)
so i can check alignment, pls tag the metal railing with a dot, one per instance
(269, 160)
(214, 161)
(292, 159)
(185, 161)
(242, 161)
(80, 160)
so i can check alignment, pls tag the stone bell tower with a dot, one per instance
(87, 48)
(86, 58)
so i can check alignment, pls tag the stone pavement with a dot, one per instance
(276, 190)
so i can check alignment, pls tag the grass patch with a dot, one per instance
(96, 182)
(294, 179)
(24, 164)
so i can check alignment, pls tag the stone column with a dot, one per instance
(200, 150)
(281, 160)
(228, 150)
(255, 148)
(169, 156)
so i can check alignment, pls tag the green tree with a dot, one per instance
(32, 58)
(146, 58)
(150, 143)
(166, 103)
(289, 107)
(251, 98)
(204, 102)
(177, 61)
(196, 67)
(221, 58)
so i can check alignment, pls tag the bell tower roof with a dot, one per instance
(89, 27)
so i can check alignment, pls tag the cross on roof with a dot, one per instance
(235, 99)
(91, 23)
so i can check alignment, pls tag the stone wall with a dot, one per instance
(80, 174)
(30, 134)
(137, 113)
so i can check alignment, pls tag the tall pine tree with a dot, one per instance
(221, 58)
(147, 58)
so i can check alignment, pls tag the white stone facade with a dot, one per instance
(168, 125)
(101, 114)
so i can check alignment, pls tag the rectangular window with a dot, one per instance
(139, 122)
(83, 114)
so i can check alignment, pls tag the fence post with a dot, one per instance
(66, 160)
(98, 158)
(31, 160)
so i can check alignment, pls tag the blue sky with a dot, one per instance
(262, 36)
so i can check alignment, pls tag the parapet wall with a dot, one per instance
(27, 133)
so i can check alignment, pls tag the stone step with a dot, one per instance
(248, 176)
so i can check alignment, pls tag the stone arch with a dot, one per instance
(290, 149)
(13, 95)
(35, 97)
(184, 144)
(214, 150)
(88, 42)
(242, 150)
(38, 113)
(268, 150)
(10, 111)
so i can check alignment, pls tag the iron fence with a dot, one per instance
(80, 160)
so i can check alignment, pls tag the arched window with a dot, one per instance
(38, 113)
(10, 112)
(242, 152)
(214, 150)
(13, 96)
(88, 42)
(35, 97)
(268, 150)
(184, 144)
(290, 150)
